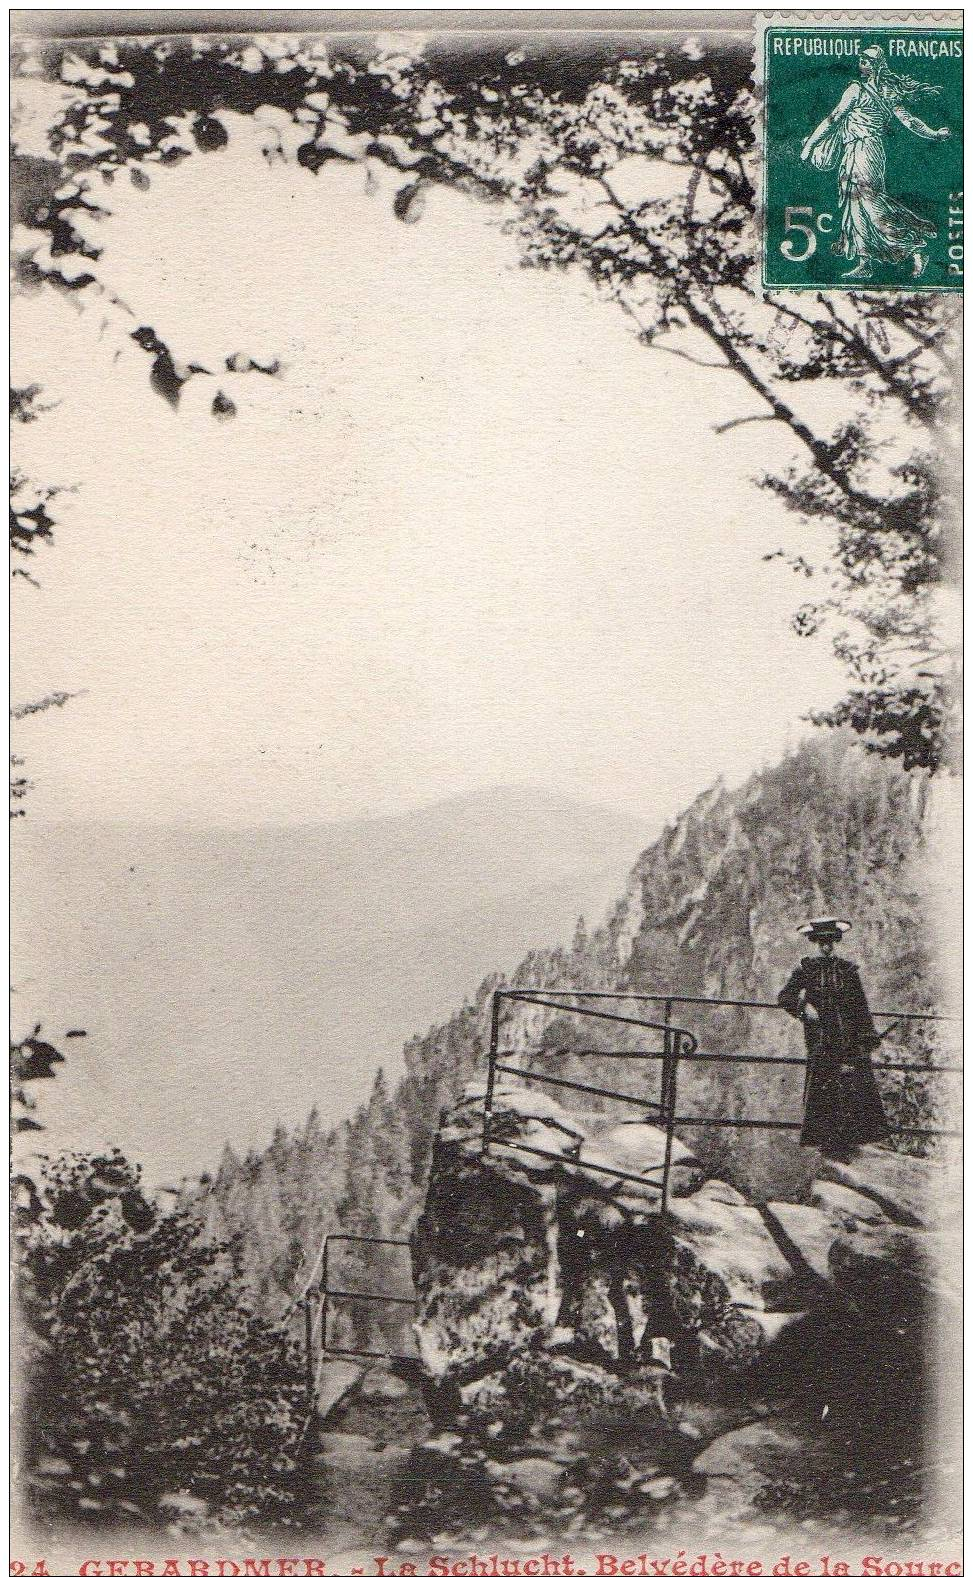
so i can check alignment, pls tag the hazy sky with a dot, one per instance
(474, 535)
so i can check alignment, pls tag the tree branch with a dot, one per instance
(703, 317)
(741, 421)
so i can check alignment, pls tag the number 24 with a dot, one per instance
(792, 222)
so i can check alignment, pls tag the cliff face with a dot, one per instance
(711, 907)
(711, 910)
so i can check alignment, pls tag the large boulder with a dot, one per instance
(583, 1347)
(485, 1259)
(638, 1150)
(531, 1245)
(746, 1466)
(534, 1241)
(910, 1190)
(731, 1287)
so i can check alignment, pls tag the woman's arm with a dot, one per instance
(914, 124)
(791, 997)
(864, 1030)
(844, 104)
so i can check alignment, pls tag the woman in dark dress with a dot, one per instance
(842, 1106)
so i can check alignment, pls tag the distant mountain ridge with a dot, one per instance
(230, 978)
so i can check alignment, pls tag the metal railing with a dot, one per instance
(678, 1046)
(338, 1294)
(317, 1296)
(671, 1046)
(675, 1042)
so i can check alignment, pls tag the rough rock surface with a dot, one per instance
(731, 1288)
(557, 1307)
(488, 1277)
(893, 1274)
(740, 1467)
(807, 1232)
(907, 1190)
(521, 1248)
(835, 1199)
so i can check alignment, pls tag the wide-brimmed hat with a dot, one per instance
(824, 925)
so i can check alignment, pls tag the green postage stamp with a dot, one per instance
(862, 151)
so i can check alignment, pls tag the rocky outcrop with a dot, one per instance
(731, 1288)
(901, 1188)
(550, 1296)
(533, 1244)
(536, 1242)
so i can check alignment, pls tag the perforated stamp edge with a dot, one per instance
(756, 164)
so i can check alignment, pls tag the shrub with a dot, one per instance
(152, 1381)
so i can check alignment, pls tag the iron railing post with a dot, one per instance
(309, 1363)
(324, 1297)
(491, 1068)
(668, 1093)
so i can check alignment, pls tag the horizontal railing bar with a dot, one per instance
(570, 1160)
(367, 1297)
(729, 1002)
(357, 1237)
(878, 1067)
(686, 1121)
(594, 1051)
(916, 1067)
(359, 1352)
(642, 996)
(743, 1056)
(536, 1048)
(730, 1122)
(612, 1018)
(724, 1056)
(589, 1089)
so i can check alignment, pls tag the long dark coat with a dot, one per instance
(842, 1106)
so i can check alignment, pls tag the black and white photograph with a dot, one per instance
(485, 799)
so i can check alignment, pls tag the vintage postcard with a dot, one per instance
(485, 1053)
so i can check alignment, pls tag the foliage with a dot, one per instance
(155, 1389)
(31, 522)
(633, 166)
(30, 1059)
(20, 786)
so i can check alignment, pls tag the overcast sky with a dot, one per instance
(475, 534)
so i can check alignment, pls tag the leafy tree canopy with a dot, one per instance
(631, 163)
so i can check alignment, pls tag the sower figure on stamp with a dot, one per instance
(842, 1105)
(873, 224)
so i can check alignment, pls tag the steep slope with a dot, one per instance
(709, 909)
